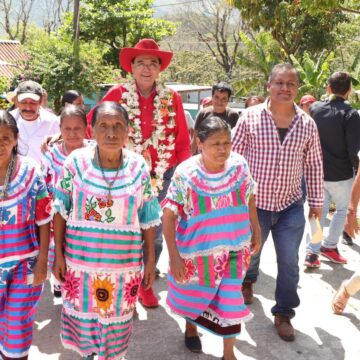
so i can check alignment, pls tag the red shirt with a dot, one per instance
(278, 167)
(181, 151)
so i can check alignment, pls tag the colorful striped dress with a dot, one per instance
(103, 250)
(27, 204)
(52, 162)
(213, 237)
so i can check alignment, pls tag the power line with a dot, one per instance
(174, 4)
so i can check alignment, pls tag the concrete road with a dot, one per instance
(321, 335)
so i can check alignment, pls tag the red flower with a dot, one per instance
(222, 261)
(131, 290)
(71, 286)
(190, 269)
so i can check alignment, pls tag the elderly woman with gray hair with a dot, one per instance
(105, 209)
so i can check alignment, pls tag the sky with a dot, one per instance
(161, 7)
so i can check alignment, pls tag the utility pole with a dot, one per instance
(76, 27)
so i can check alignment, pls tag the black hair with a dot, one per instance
(258, 98)
(133, 60)
(6, 119)
(69, 97)
(340, 82)
(112, 106)
(211, 125)
(221, 87)
(283, 67)
(73, 110)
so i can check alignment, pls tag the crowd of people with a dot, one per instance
(90, 197)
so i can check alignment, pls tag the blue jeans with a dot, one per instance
(339, 192)
(287, 229)
(159, 233)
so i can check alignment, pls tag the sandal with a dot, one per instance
(193, 343)
(340, 300)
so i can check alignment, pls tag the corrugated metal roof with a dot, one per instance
(11, 58)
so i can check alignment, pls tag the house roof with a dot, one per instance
(11, 57)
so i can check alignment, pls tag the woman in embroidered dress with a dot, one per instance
(73, 130)
(25, 213)
(158, 128)
(105, 209)
(211, 228)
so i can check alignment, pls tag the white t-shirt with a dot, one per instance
(32, 133)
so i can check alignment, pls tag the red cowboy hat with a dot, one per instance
(144, 47)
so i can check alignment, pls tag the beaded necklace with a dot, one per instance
(5, 189)
(108, 183)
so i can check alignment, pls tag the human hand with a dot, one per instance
(40, 271)
(149, 274)
(178, 268)
(351, 226)
(255, 240)
(59, 269)
(315, 212)
(48, 141)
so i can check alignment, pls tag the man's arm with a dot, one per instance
(239, 135)
(313, 171)
(351, 226)
(352, 131)
(182, 140)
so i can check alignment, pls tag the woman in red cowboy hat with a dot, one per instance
(158, 127)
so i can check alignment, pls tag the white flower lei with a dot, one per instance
(163, 103)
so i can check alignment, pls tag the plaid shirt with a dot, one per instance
(278, 167)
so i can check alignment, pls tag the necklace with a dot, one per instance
(108, 183)
(5, 189)
(162, 138)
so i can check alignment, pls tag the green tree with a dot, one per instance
(52, 63)
(258, 56)
(119, 23)
(4, 87)
(193, 67)
(314, 74)
(294, 28)
(316, 6)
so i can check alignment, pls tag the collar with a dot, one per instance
(151, 94)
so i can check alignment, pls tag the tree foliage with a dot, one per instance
(15, 18)
(316, 6)
(53, 64)
(193, 67)
(4, 87)
(214, 27)
(260, 52)
(314, 74)
(294, 28)
(119, 23)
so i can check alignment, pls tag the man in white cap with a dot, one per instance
(34, 123)
(157, 125)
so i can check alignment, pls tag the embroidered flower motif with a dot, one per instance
(246, 259)
(101, 203)
(221, 261)
(92, 215)
(223, 202)
(131, 290)
(163, 110)
(190, 269)
(103, 292)
(65, 182)
(71, 286)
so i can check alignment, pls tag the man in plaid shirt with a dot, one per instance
(281, 144)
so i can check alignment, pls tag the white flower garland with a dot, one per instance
(163, 103)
